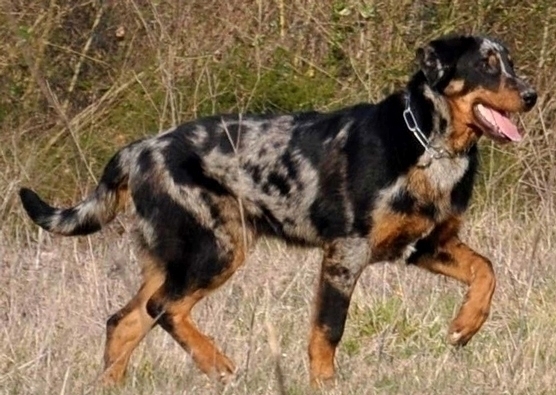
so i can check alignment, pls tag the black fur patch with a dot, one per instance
(155, 309)
(333, 312)
(114, 320)
(462, 192)
(36, 208)
(279, 182)
(328, 212)
(185, 167)
(429, 210)
(189, 251)
(423, 247)
(403, 202)
(113, 175)
(254, 170)
(86, 226)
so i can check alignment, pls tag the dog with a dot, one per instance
(366, 184)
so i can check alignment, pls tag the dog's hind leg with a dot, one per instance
(343, 262)
(186, 284)
(174, 317)
(126, 328)
(176, 320)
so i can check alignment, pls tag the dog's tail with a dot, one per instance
(98, 209)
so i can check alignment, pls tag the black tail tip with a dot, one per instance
(34, 205)
(25, 194)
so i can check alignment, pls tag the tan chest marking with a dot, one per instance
(393, 231)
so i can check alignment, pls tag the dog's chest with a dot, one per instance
(439, 176)
(410, 208)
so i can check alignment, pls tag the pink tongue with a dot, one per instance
(502, 123)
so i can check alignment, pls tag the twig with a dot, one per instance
(49, 95)
(275, 350)
(82, 117)
(82, 58)
(282, 19)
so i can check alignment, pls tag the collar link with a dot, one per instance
(431, 152)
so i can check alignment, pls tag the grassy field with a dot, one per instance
(82, 78)
(57, 294)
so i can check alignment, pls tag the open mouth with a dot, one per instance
(496, 124)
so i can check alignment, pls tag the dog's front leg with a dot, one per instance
(444, 253)
(343, 262)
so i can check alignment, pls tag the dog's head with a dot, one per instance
(477, 77)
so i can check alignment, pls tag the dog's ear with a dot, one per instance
(438, 59)
(430, 64)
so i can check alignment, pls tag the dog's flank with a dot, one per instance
(367, 183)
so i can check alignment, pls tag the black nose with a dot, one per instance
(529, 98)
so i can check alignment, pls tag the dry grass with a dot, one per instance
(57, 294)
(75, 88)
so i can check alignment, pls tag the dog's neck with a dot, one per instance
(433, 114)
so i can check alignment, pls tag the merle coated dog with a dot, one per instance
(368, 183)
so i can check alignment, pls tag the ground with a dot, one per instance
(57, 294)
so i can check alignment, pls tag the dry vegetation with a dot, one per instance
(80, 78)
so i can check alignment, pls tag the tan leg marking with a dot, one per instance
(127, 328)
(343, 262)
(455, 259)
(321, 357)
(177, 322)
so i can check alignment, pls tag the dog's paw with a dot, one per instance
(465, 326)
